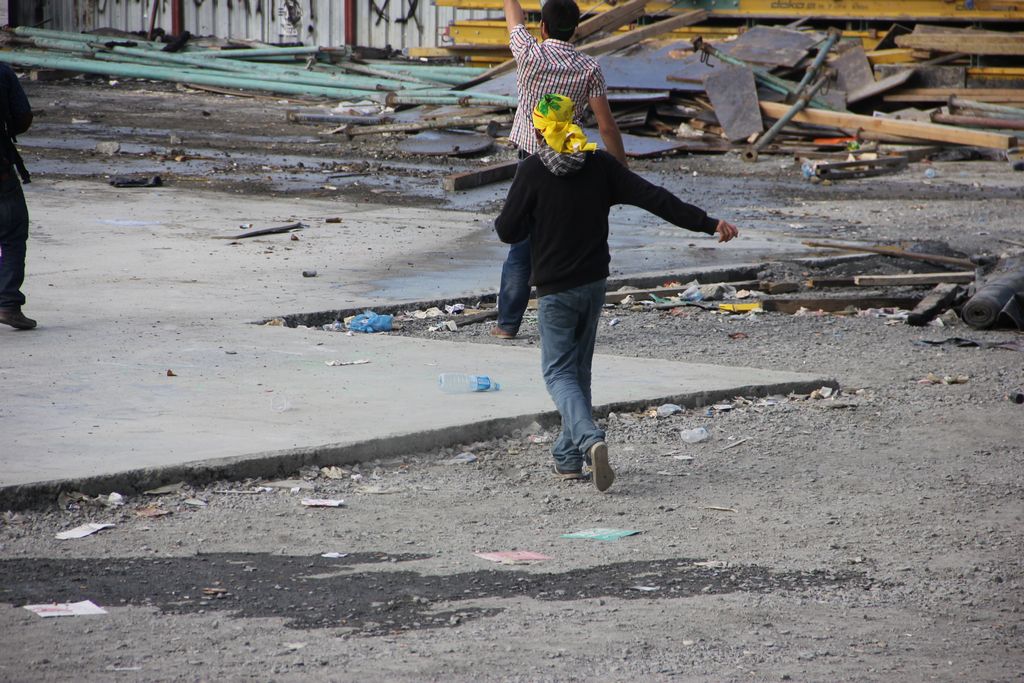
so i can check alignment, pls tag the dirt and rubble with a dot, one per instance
(872, 533)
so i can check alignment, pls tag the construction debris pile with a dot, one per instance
(816, 95)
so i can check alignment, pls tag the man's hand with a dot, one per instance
(726, 231)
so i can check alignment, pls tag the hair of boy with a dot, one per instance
(560, 17)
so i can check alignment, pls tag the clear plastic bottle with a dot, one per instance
(458, 383)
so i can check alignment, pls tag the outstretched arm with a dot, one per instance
(514, 14)
(607, 127)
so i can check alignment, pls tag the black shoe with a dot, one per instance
(571, 475)
(16, 319)
(502, 333)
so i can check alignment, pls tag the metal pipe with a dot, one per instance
(752, 152)
(833, 37)
(978, 121)
(269, 72)
(80, 37)
(254, 53)
(463, 98)
(769, 80)
(961, 103)
(180, 75)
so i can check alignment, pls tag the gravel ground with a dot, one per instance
(874, 534)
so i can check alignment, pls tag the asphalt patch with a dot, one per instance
(317, 592)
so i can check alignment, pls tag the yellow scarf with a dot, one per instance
(553, 118)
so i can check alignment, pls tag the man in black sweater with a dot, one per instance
(560, 200)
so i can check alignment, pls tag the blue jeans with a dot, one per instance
(13, 238)
(514, 292)
(568, 329)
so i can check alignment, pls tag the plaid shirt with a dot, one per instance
(553, 66)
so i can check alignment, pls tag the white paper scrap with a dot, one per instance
(334, 556)
(82, 531)
(339, 363)
(322, 502)
(67, 609)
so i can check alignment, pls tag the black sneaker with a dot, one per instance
(571, 475)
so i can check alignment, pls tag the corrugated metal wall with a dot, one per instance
(312, 22)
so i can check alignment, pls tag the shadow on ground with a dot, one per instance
(317, 592)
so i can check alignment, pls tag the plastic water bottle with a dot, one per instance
(458, 383)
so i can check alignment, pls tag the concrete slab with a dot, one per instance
(129, 285)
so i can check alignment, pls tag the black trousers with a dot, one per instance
(13, 239)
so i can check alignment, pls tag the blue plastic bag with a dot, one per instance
(370, 322)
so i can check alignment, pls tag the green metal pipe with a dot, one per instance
(253, 53)
(81, 37)
(180, 75)
(463, 98)
(267, 72)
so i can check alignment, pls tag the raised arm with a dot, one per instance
(514, 14)
(608, 128)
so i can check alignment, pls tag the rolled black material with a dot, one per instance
(998, 303)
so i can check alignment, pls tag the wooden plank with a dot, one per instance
(733, 94)
(938, 301)
(962, 277)
(484, 176)
(984, 43)
(1006, 95)
(909, 129)
(823, 282)
(831, 305)
(894, 251)
(617, 42)
(611, 20)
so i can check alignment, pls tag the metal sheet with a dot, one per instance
(648, 67)
(853, 71)
(772, 46)
(641, 147)
(446, 143)
(733, 94)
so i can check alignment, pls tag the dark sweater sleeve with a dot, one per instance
(629, 188)
(512, 224)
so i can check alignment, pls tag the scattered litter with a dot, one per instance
(823, 392)
(695, 435)
(712, 564)
(171, 373)
(334, 556)
(340, 363)
(290, 484)
(644, 589)
(721, 407)
(257, 490)
(194, 502)
(215, 592)
(305, 273)
(371, 322)
(152, 511)
(168, 488)
(151, 181)
(1009, 345)
(717, 508)
(738, 335)
(1017, 396)
(108, 147)
(613, 322)
(84, 608)
(540, 438)
(601, 534)
(741, 308)
(459, 383)
(461, 459)
(734, 444)
(433, 312)
(82, 531)
(323, 502)
(513, 557)
(275, 322)
(377, 490)
(293, 646)
(682, 457)
(114, 500)
(668, 409)
(333, 472)
(449, 325)
(455, 309)
(932, 378)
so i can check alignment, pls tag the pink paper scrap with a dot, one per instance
(513, 556)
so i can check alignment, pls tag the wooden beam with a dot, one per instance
(611, 20)
(985, 43)
(619, 41)
(909, 129)
(484, 176)
(834, 304)
(1010, 95)
(938, 301)
(894, 251)
(963, 277)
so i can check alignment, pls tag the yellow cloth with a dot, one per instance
(553, 118)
